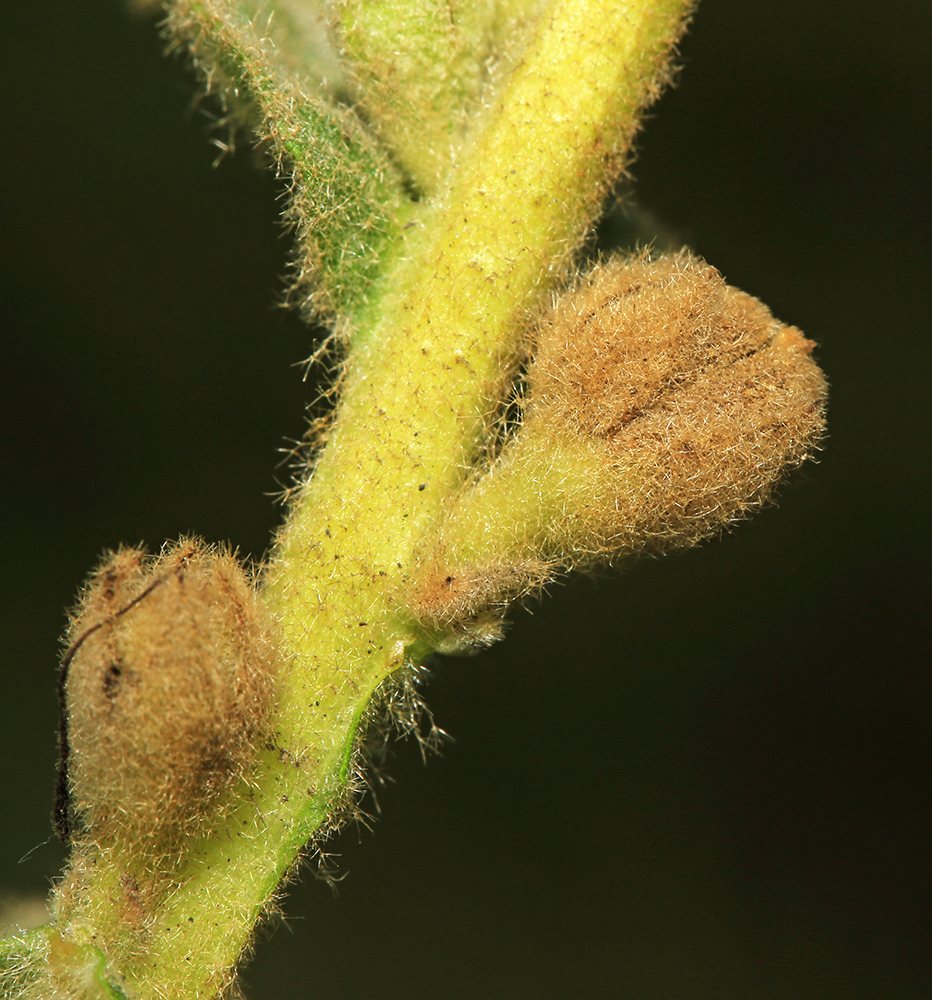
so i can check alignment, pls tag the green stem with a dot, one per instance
(420, 385)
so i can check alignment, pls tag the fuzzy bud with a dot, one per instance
(169, 684)
(698, 399)
(663, 405)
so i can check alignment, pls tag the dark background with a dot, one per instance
(705, 778)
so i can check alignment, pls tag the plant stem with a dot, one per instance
(420, 385)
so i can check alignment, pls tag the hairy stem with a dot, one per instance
(422, 378)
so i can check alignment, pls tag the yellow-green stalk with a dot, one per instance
(429, 254)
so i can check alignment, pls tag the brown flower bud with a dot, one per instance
(698, 399)
(663, 404)
(170, 685)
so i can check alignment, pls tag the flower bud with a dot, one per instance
(662, 405)
(696, 397)
(170, 685)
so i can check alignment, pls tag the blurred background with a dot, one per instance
(705, 777)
